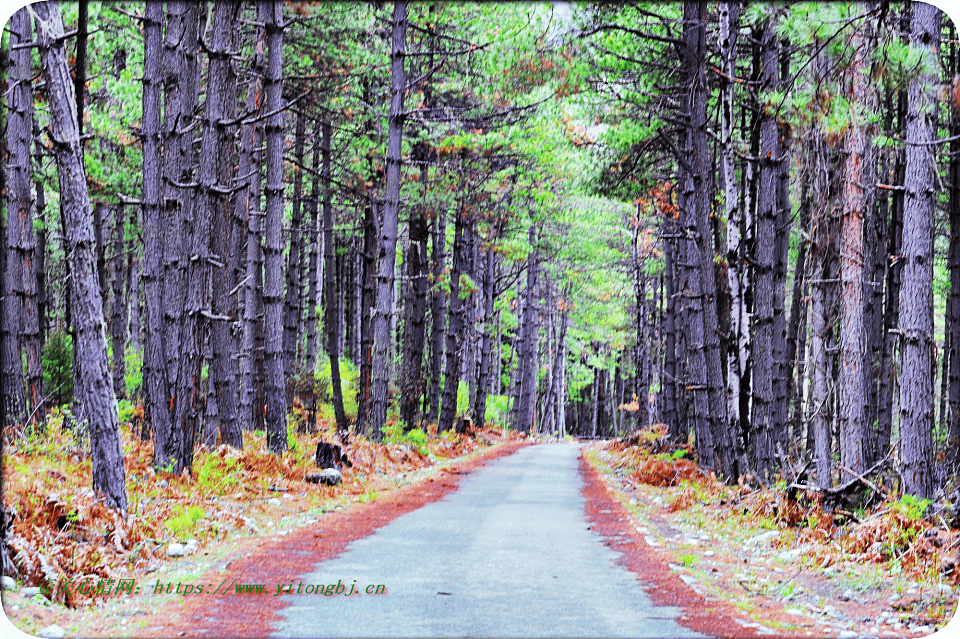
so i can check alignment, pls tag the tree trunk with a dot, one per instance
(20, 317)
(332, 316)
(94, 392)
(853, 384)
(765, 429)
(437, 315)
(119, 323)
(276, 425)
(156, 379)
(738, 350)
(252, 400)
(387, 247)
(527, 348)
(916, 296)
(415, 321)
(292, 302)
(486, 324)
(953, 304)
(217, 162)
(315, 251)
(455, 334)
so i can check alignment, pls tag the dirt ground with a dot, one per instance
(726, 566)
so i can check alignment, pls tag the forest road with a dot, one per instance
(510, 553)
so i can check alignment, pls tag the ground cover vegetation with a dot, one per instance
(383, 223)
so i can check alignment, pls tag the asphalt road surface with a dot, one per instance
(508, 554)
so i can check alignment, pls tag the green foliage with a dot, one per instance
(910, 506)
(416, 439)
(349, 374)
(126, 410)
(58, 368)
(218, 474)
(133, 370)
(498, 412)
(184, 521)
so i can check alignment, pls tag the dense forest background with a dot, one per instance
(739, 221)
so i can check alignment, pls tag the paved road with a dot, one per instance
(508, 554)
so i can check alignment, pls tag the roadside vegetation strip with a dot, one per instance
(57, 530)
(647, 558)
(782, 561)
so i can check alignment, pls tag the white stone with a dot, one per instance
(847, 595)
(52, 632)
(764, 537)
(30, 591)
(847, 634)
(8, 583)
(176, 550)
(652, 542)
(273, 501)
(709, 553)
(794, 611)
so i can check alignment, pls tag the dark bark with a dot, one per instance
(119, 323)
(486, 317)
(387, 245)
(315, 249)
(438, 317)
(293, 298)
(715, 442)
(156, 378)
(276, 426)
(523, 412)
(415, 320)
(216, 204)
(21, 326)
(252, 400)
(765, 429)
(853, 384)
(332, 315)
(953, 262)
(455, 334)
(916, 295)
(94, 391)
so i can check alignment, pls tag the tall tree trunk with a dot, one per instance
(252, 400)
(738, 350)
(332, 316)
(119, 323)
(486, 323)
(527, 348)
(294, 258)
(853, 384)
(765, 428)
(437, 315)
(953, 304)
(94, 392)
(455, 334)
(415, 321)
(216, 204)
(315, 249)
(668, 386)
(717, 442)
(276, 425)
(20, 318)
(916, 296)
(387, 246)
(156, 378)
(894, 277)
